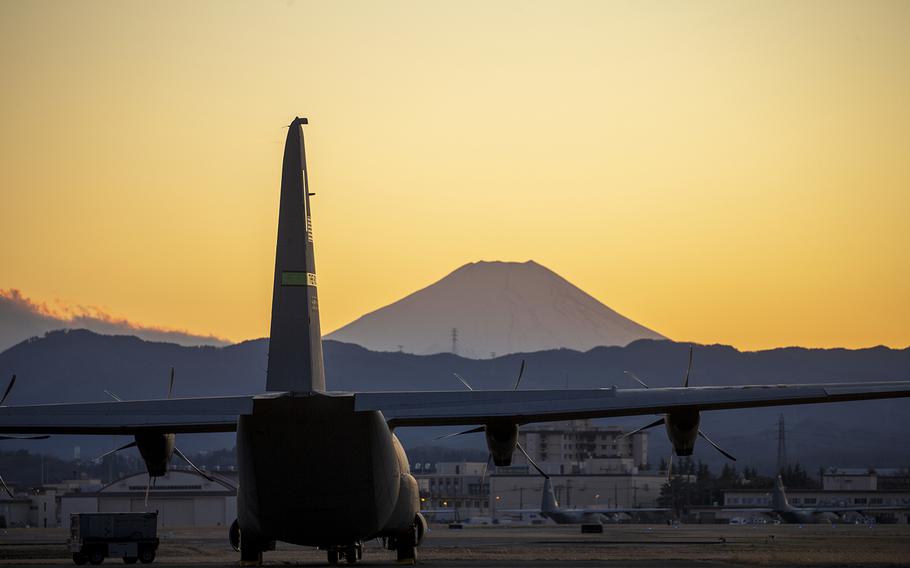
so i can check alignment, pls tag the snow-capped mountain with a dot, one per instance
(494, 308)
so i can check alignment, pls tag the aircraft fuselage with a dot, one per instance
(314, 472)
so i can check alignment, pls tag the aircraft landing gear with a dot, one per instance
(251, 549)
(405, 545)
(351, 553)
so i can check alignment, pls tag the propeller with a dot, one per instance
(180, 454)
(663, 420)
(9, 387)
(521, 372)
(6, 487)
(478, 429)
(170, 386)
(114, 451)
(532, 462)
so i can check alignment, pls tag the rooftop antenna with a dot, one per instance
(454, 341)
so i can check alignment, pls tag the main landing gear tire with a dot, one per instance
(406, 547)
(79, 559)
(333, 557)
(353, 553)
(407, 554)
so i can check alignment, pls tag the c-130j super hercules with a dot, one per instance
(325, 469)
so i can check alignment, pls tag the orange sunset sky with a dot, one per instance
(732, 172)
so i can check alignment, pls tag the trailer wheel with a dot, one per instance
(96, 556)
(146, 555)
(79, 559)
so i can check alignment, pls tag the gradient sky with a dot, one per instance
(732, 172)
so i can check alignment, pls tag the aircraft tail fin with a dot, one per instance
(779, 501)
(548, 501)
(295, 342)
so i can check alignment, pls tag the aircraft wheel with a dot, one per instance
(407, 554)
(79, 559)
(350, 554)
(130, 559)
(333, 557)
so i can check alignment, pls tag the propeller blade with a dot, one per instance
(182, 456)
(113, 396)
(12, 437)
(716, 447)
(670, 466)
(170, 388)
(9, 387)
(471, 431)
(5, 487)
(689, 368)
(147, 487)
(641, 382)
(114, 451)
(464, 382)
(532, 462)
(521, 372)
(657, 422)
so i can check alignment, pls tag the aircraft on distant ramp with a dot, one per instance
(326, 469)
(550, 509)
(781, 508)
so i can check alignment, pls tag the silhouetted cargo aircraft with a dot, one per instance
(325, 468)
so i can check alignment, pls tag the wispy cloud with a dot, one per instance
(21, 318)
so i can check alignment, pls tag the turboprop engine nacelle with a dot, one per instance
(501, 441)
(682, 429)
(156, 450)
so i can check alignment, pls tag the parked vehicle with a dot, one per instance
(130, 536)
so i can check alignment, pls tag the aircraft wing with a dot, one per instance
(442, 408)
(177, 415)
(856, 509)
(429, 408)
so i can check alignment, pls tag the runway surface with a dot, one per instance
(633, 546)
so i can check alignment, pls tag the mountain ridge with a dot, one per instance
(77, 366)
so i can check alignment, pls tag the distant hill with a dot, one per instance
(22, 318)
(496, 307)
(80, 365)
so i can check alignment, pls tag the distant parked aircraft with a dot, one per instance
(781, 508)
(549, 508)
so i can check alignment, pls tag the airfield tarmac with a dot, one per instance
(634, 546)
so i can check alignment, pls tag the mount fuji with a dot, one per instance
(485, 309)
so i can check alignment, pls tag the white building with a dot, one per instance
(579, 447)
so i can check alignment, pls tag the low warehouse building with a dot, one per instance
(182, 499)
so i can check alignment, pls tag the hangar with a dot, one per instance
(182, 499)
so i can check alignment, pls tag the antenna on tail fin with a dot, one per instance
(295, 341)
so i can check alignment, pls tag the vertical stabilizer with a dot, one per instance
(295, 342)
(779, 500)
(548, 502)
